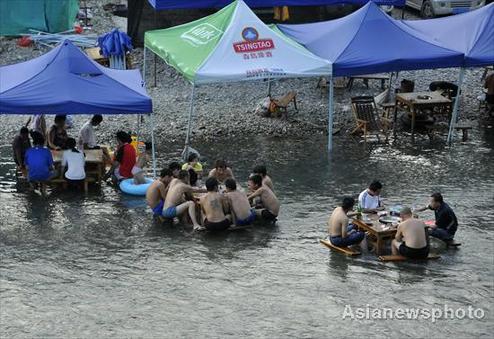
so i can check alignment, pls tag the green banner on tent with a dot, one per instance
(187, 46)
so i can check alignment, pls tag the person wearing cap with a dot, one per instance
(411, 240)
(370, 200)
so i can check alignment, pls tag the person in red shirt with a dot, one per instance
(125, 158)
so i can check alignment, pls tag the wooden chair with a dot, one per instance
(281, 104)
(367, 117)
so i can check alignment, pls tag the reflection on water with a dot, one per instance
(95, 264)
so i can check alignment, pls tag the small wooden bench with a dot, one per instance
(464, 127)
(431, 256)
(282, 103)
(344, 250)
(64, 183)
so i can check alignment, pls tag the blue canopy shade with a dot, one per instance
(471, 33)
(370, 41)
(66, 81)
(115, 43)
(180, 4)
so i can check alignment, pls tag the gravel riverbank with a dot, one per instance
(227, 110)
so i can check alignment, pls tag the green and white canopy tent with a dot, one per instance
(233, 45)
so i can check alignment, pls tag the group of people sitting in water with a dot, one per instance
(412, 235)
(222, 203)
(36, 159)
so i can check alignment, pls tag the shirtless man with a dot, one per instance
(156, 192)
(411, 239)
(342, 234)
(266, 180)
(270, 204)
(242, 213)
(175, 204)
(221, 171)
(213, 205)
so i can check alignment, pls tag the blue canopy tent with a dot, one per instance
(66, 81)
(160, 5)
(370, 41)
(470, 33)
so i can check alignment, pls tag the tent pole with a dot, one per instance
(189, 125)
(454, 115)
(331, 113)
(153, 148)
(269, 87)
(144, 66)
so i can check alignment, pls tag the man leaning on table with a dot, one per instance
(370, 200)
(446, 221)
(411, 238)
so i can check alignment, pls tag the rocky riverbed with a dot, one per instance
(227, 110)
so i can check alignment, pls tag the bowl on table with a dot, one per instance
(389, 220)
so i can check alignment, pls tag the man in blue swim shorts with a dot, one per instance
(240, 209)
(156, 192)
(175, 204)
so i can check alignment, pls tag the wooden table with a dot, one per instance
(378, 231)
(413, 103)
(94, 162)
(366, 77)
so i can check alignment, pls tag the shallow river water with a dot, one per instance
(95, 265)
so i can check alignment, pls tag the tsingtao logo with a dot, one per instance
(251, 42)
(201, 34)
(250, 34)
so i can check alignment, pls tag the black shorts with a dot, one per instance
(414, 253)
(217, 226)
(267, 215)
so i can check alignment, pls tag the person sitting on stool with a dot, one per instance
(446, 221)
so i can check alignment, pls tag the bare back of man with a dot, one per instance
(212, 205)
(337, 223)
(413, 232)
(239, 204)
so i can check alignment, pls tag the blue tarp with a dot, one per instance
(470, 33)
(66, 81)
(180, 4)
(115, 43)
(370, 41)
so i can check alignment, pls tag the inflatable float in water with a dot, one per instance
(128, 186)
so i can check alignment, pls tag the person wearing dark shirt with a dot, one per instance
(39, 161)
(20, 145)
(446, 221)
(57, 137)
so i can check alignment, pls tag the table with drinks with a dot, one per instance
(381, 227)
